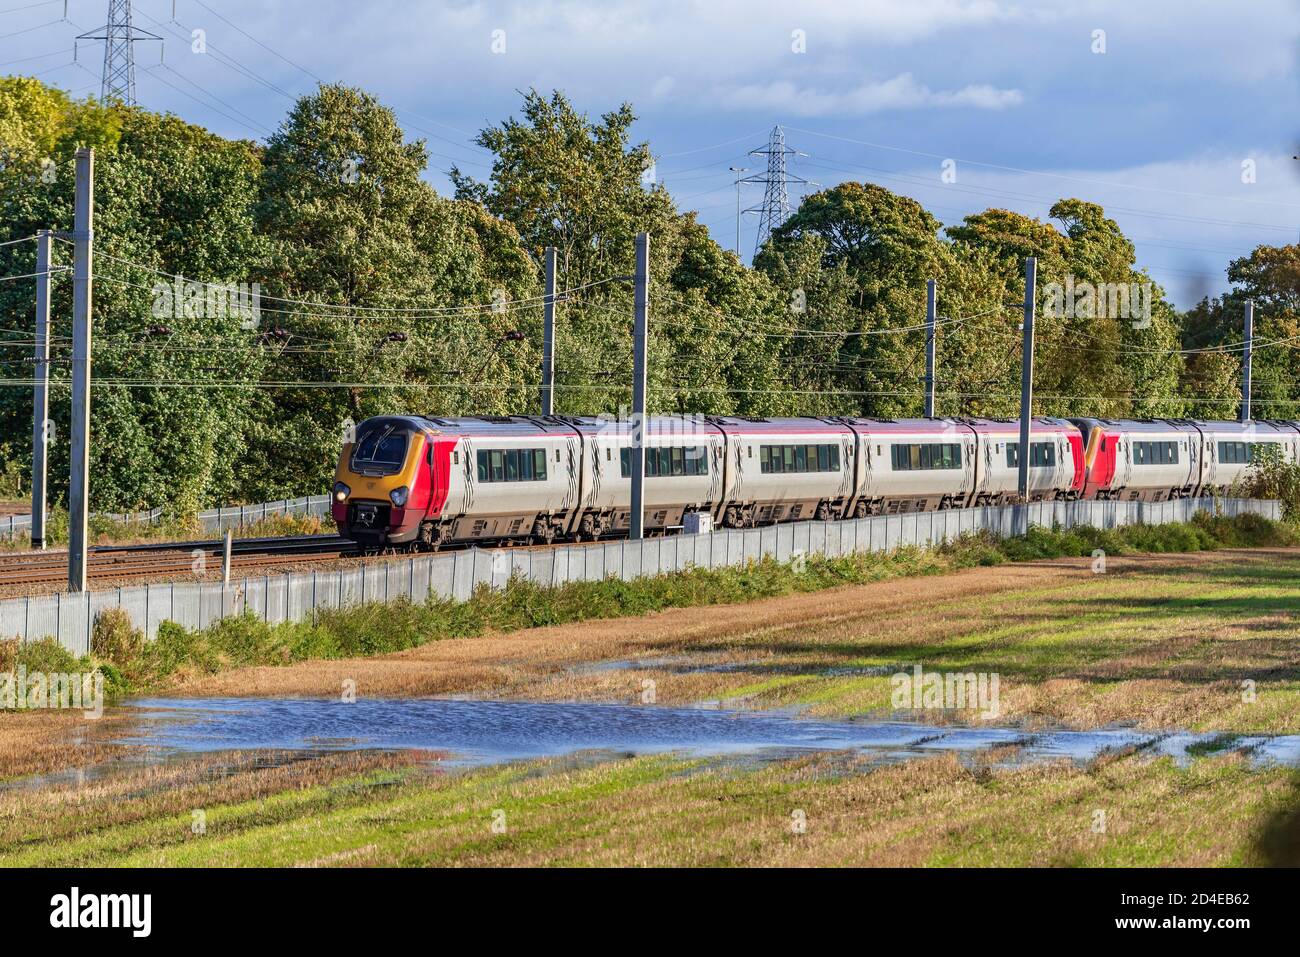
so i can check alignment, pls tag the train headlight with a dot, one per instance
(341, 492)
(398, 496)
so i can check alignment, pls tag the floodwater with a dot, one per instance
(492, 731)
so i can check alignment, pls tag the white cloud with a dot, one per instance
(662, 87)
(902, 92)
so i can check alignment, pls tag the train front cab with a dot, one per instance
(383, 483)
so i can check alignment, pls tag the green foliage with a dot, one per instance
(114, 639)
(46, 655)
(360, 263)
(1271, 476)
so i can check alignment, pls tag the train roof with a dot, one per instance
(1230, 426)
(503, 425)
(977, 424)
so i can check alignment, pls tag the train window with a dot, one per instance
(799, 458)
(1155, 453)
(931, 455)
(669, 461)
(1242, 453)
(1041, 455)
(512, 465)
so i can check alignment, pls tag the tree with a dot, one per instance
(583, 187)
(167, 424)
(369, 266)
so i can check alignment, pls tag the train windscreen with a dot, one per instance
(380, 450)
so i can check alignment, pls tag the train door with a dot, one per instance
(439, 456)
(1209, 464)
(1123, 459)
(719, 469)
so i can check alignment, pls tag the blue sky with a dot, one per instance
(1017, 94)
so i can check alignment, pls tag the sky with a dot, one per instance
(1180, 117)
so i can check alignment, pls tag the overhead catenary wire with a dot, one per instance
(33, 275)
(414, 312)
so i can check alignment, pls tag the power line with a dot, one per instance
(1028, 198)
(18, 33)
(251, 124)
(413, 312)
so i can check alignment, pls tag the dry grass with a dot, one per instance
(44, 742)
(1159, 641)
(360, 811)
(1162, 641)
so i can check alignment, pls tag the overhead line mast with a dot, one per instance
(119, 35)
(775, 207)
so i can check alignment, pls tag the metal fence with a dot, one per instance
(212, 520)
(455, 575)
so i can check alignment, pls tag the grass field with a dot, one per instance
(1158, 641)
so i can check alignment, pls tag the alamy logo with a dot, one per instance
(946, 690)
(134, 911)
(23, 690)
(190, 299)
(1108, 300)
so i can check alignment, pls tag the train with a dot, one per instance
(418, 483)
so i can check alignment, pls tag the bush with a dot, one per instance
(175, 648)
(48, 656)
(114, 638)
(245, 640)
(1272, 477)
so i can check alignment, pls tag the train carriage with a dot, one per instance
(684, 472)
(913, 465)
(781, 470)
(507, 478)
(1056, 468)
(409, 481)
(1229, 449)
(1140, 460)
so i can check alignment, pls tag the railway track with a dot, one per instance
(162, 559)
(107, 562)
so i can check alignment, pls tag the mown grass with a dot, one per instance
(371, 629)
(661, 810)
(1209, 646)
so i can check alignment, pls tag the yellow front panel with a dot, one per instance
(378, 487)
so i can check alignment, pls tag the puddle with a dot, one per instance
(479, 732)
